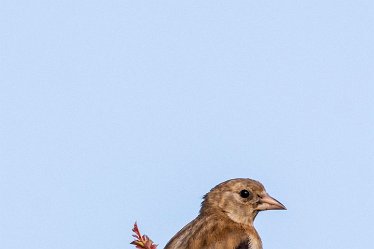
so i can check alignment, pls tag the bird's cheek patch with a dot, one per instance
(226, 200)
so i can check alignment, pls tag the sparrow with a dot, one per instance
(226, 217)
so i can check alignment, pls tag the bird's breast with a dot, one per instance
(215, 232)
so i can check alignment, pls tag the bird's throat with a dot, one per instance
(254, 241)
(244, 219)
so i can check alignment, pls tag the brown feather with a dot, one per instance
(225, 220)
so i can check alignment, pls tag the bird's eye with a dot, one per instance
(245, 193)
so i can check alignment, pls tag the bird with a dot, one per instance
(226, 217)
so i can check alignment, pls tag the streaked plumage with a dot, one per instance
(226, 218)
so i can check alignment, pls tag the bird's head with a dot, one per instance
(240, 199)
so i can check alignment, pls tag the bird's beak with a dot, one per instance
(267, 202)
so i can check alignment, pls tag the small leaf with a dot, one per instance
(142, 241)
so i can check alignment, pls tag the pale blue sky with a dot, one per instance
(116, 111)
